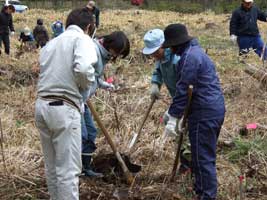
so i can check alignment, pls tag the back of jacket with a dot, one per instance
(66, 65)
(244, 22)
(196, 68)
(6, 23)
(40, 33)
(165, 71)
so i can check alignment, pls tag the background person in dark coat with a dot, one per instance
(40, 34)
(207, 111)
(6, 25)
(244, 27)
(96, 12)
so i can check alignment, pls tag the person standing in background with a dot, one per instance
(96, 12)
(6, 25)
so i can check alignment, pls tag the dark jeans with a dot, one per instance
(203, 137)
(89, 133)
(251, 42)
(5, 39)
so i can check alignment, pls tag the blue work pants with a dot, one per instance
(89, 133)
(203, 137)
(251, 42)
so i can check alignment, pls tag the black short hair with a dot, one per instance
(40, 21)
(118, 42)
(80, 17)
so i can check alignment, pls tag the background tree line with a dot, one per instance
(190, 6)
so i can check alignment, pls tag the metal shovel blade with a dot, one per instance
(132, 142)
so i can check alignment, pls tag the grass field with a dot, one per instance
(21, 165)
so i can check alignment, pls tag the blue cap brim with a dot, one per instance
(149, 51)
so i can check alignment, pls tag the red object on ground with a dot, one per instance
(161, 120)
(241, 178)
(110, 80)
(137, 2)
(251, 126)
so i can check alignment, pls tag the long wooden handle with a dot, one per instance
(136, 137)
(180, 142)
(126, 172)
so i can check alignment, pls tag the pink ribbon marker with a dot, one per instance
(251, 126)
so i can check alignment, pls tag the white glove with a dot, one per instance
(105, 85)
(154, 91)
(12, 33)
(180, 125)
(166, 117)
(233, 38)
(170, 127)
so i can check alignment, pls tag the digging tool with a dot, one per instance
(180, 142)
(125, 170)
(137, 135)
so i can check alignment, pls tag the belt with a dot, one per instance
(64, 99)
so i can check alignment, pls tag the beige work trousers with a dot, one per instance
(60, 134)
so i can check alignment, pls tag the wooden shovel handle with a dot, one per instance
(180, 142)
(143, 121)
(126, 172)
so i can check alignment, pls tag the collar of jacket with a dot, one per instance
(104, 53)
(193, 42)
(246, 10)
(75, 28)
(167, 54)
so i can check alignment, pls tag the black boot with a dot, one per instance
(87, 169)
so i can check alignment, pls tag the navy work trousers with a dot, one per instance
(251, 42)
(5, 39)
(203, 137)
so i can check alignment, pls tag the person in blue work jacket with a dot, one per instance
(164, 73)
(244, 28)
(57, 28)
(108, 48)
(207, 107)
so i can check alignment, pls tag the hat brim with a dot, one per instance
(149, 51)
(175, 42)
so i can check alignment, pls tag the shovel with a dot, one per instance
(180, 142)
(137, 135)
(128, 175)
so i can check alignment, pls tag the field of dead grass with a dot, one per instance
(21, 165)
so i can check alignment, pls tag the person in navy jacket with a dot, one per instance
(207, 110)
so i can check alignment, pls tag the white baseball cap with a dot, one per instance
(248, 1)
(153, 40)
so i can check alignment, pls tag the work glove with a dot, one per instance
(170, 127)
(233, 38)
(180, 125)
(166, 117)
(12, 33)
(154, 91)
(105, 85)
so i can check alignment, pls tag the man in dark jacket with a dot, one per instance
(96, 12)
(6, 25)
(207, 107)
(40, 34)
(244, 28)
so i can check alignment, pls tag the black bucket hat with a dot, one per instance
(175, 34)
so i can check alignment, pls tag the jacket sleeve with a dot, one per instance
(10, 24)
(97, 18)
(156, 75)
(233, 23)
(261, 15)
(34, 33)
(188, 77)
(84, 57)
(46, 34)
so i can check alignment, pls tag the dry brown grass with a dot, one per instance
(24, 178)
